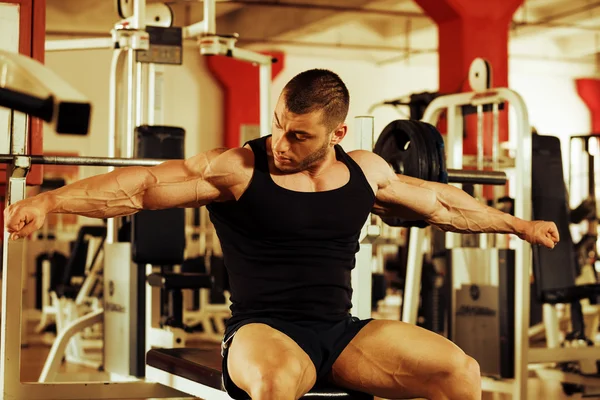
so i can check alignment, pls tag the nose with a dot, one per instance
(280, 144)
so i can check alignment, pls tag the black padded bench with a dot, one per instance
(204, 367)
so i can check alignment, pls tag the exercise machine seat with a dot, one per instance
(180, 281)
(76, 263)
(571, 294)
(555, 270)
(204, 367)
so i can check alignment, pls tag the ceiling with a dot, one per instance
(374, 30)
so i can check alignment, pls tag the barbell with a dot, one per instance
(87, 161)
(412, 148)
(416, 149)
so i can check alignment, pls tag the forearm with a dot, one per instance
(115, 194)
(457, 211)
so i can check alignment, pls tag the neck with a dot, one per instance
(321, 165)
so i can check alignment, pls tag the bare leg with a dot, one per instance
(267, 364)
(394, 360)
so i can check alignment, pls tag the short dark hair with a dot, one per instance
(318, 89)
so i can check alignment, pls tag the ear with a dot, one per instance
(339, 134)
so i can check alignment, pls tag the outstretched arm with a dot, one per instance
(450, 208)
(215, 175)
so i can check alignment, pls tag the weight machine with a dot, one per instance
(33, 90)
(491, 278)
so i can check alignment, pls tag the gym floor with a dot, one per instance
(34, 355)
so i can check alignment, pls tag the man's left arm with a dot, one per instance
(451, 209)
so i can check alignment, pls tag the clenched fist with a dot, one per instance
(541, 232)
(24, 217)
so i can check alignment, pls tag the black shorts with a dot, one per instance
(322, 341)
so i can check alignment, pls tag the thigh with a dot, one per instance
(259, 353)
(392, 359)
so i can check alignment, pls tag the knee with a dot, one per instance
(471, 372)
(278, 381)
(465, 372)
(461, 374)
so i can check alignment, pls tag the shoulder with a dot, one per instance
(221, 160)
(368, 158)
(376, 169)
(229, 170)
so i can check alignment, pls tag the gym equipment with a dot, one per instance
(77, 306)
(555, 277)
(583, 152)
(54, 100)
(417, 103)
(140, 245)
(480, 75)
(27, 86)
(481, 321)
(453, 106)
(207, 323)
(165, 246)
(57, 103)
(416, 149)
(87, 161)
(203, 368)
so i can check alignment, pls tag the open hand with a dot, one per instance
(23, 218)
(541, 232)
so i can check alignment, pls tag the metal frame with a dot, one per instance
(10, 327)
(129, 39)
(185, 385)
(523, 261)
(361, 275)
(212, 44)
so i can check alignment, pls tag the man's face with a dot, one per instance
(300, 140)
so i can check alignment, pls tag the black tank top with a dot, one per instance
(289, 254)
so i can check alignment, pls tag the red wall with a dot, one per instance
(240, 83)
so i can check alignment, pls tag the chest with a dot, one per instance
(334, 178)
(283, 214)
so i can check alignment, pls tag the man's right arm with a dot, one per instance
(216, 175)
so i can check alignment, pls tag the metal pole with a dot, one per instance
(132, 96)
(454, 175)
(412, 282)
(454, 160)
(523, 249)
(87, 161)
(114, 127)
(361, 276)
(12, 261)
(210, 17)
(498, 239)
(478, 190)
(265, 98)
(477, 177)
(139, 14)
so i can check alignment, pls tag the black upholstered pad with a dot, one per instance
(204, 367)
(187, 280)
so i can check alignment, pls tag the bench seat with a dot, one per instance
(204, 367)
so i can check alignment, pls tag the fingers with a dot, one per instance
(14, 219)
(20, 222)
(550, 236)
(549, 243)
(27, 230)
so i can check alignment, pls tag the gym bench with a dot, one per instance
(204, 367)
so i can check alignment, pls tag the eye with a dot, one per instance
(300, 138)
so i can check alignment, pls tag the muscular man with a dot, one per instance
(288, 210)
